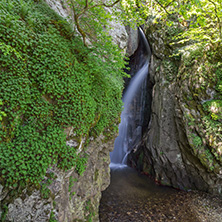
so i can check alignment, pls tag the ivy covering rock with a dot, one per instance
(50, 81)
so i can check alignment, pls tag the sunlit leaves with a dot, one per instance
(202, 19)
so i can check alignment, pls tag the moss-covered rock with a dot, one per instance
(183, 145)
(54, 159)
(62, 196)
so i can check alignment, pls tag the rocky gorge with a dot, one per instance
(73, 194)
(180, 147)
(181, 144)
(66, 196)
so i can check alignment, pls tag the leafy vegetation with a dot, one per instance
(201, 19)
(193, 37)
(197, 141)
(50, 81)
(214, 108)
(55, 76)
(52, 217)
(2, 114)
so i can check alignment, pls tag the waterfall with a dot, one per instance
(130, 132)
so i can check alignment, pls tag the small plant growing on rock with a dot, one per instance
(197, 141)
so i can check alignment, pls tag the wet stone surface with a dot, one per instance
(134, 197)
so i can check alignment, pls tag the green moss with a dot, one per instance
(44, 190)
(207, 159)
(170, 69)
(197, 141)
(96, 174)
(4, 213)
(52, 217)
(89, 212)
(81, 165)
(71, 183)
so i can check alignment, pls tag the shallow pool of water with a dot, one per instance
(135, 197)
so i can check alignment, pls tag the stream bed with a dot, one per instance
(135, 197)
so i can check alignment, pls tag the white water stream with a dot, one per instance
(121, 146)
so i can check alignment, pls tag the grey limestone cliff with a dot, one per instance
(176, 149)
(66, 196)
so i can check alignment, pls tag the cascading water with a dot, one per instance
(132, 196)
(127, 128)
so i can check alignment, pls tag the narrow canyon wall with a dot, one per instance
(63, 196)
(68, 196)
(180, 149)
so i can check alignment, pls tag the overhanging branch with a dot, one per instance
(86, 8)
(218, 19)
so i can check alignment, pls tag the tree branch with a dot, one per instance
(77, 16)
(163, 6)
(97, 5)
(76, 19)
(218, 19)
(87, 3)
(114, 3)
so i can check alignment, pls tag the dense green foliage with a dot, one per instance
(50, 81)
(191, 30)
(199, 39)
(201, 18)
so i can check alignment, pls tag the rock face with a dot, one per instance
(60, 7)
(176, 150)
(125, 37)
(67, 196)
(133, 40)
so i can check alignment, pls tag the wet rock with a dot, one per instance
(133, 40)
(169, 149)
